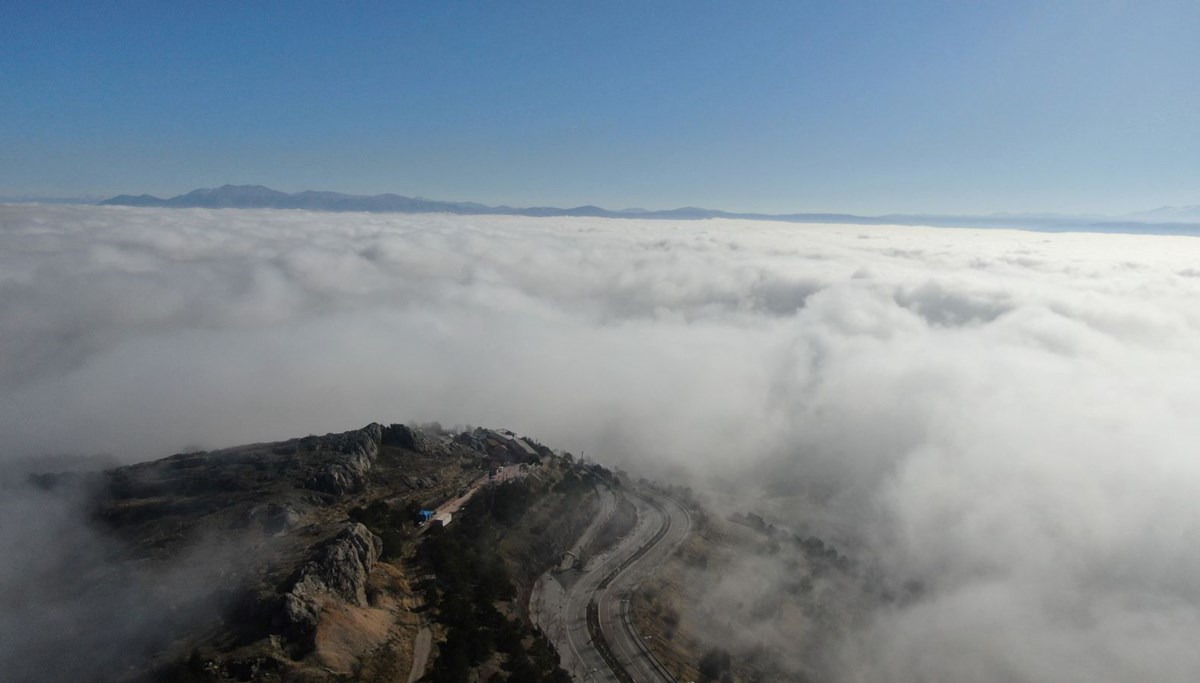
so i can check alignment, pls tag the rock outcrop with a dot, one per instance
(353, 454)
(405, 437)
(339, 570)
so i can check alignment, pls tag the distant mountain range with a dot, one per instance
(1165, 220)
(44, 199)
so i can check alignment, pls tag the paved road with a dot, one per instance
(615, 621)
(560, 600)
(453, 505)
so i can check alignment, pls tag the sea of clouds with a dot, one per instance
(1008, 417)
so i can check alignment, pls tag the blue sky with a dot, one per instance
(867, 107)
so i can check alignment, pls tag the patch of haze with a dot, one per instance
(72, 605)
(1006, 417)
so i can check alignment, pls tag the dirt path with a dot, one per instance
(421, 647)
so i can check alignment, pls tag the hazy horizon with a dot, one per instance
(1020, 220)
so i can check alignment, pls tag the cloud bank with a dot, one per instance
(1007, 417)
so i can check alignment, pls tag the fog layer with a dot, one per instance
(1006, 417)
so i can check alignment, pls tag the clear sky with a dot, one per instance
(870, 107)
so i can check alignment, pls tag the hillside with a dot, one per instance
(306, 560)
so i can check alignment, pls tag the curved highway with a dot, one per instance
(562, 600)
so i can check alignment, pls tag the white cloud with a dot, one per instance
(1007, 416)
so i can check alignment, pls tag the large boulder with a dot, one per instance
(338, 571)
(405, 437)
(350, 458)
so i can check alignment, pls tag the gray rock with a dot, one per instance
(339, 570)
(351, 456)
(345, 564)
(405, 437)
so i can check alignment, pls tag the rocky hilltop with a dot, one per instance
(311, 560)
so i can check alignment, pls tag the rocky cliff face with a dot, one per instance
(403, 436)
(339, 570)
(352, 455)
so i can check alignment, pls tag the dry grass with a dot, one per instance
(655, 611)
(376, 642)
(347, 633)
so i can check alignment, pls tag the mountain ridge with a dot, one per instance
(261, 197)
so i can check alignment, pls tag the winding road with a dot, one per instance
(562, 600)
